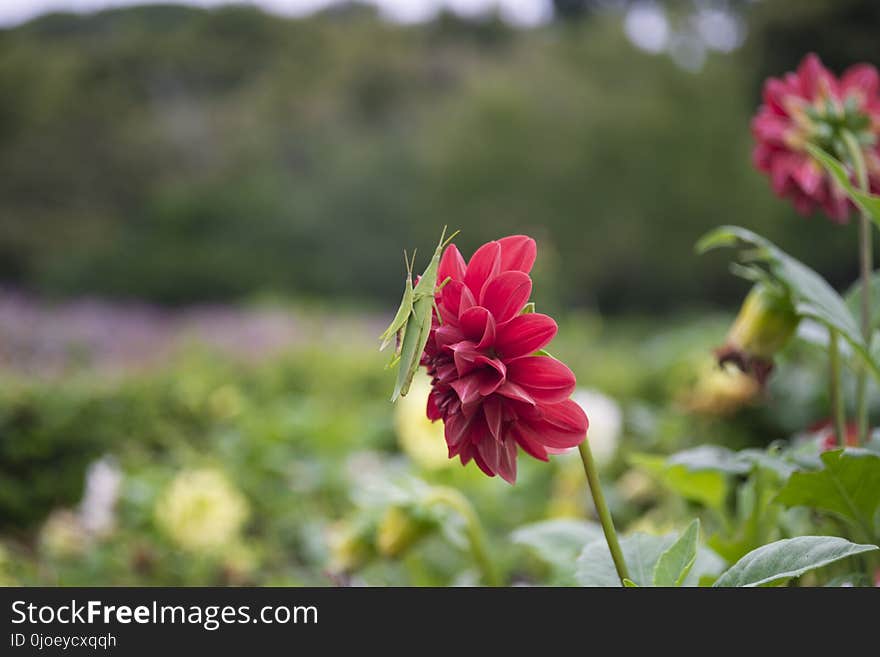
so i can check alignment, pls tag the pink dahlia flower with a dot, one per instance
(812, 106)
(490, 387)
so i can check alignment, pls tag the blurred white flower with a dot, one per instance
(96, 510)
(647, 27)
(606, 423)
(201, 511)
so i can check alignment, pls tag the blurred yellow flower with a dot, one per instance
(201, 511)
(350, 546)
(421, 439)
(568, 498)
(398, 531)
(721, 390)
(62, 535)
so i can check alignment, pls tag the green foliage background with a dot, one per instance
(176, 154)
(181, 156)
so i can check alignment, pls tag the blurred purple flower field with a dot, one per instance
(49, 339)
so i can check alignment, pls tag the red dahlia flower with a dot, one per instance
(812, 106)
(489, 386)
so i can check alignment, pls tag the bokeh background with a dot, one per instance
(202, 214)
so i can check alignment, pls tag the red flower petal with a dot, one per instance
(814, 78)
(507, 460)
(452, 265)
(467, 388)
(513, 391)
(481, 463)
(489, 451)
(447, 335)
(564, 425)
(810, 176)
(492, 374)
(432, 411)
(461, 431)
(467, 301)
(861, 78)
(545, 379)
(505, 295)
(484, 264)
(449, 302)
(524, 335)
(567, 416)
(530, 446)
(494, 412)
(478, 325)
(518, 253)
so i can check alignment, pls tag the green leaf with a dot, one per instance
(710, 457)
(707, 566)
(853, 299)
(595, 567)
(641, 551)
(867, 202)
(628, 583)
(768, 461)
(678, 559)
(776, 563)
(558, 542)
(848, 486)
(707, 487)
(813, 296)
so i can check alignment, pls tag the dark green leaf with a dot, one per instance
(848, 486)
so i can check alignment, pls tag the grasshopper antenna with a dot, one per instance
(444, 241)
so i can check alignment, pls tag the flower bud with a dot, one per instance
(399, 530)
(765, 324)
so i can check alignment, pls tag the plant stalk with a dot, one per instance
(866, 267)
(602, 511)
(837, 411)
(475, 533)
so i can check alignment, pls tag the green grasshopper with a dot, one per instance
(411, 325)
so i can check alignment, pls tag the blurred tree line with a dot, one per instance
(177, 154)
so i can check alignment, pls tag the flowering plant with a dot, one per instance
(497, 390)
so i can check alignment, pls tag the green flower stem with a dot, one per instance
(866, 266)
(476, 535)
(837, 410)
(602, 510)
